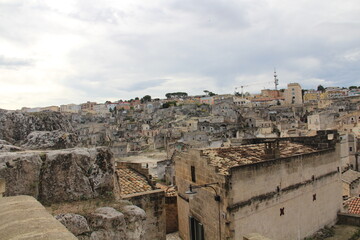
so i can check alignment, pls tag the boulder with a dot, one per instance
(50, 140)
(75, 223)
(107, 224)
(135, 222)
(77, 174)
(21, 172)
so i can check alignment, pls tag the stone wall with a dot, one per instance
(202, 205)
(153, 203)
(286, 198)
(22, 217)
(172, 224)
(348, 219)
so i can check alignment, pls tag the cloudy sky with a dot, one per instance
(68, 51)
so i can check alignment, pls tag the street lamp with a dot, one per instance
(217, 198)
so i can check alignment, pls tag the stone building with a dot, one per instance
(293, 94)
(351, 183)
(282, 190)
(322, 120)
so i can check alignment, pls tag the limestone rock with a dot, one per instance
(50, 140)
(5, 146)
(15, 126)
(108, 224)
(21, 172)
(75, 174)
(135, 219)
(75, 223)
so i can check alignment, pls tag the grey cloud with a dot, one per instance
(14, 62)
(223, 15)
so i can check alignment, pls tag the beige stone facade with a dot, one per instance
(288, 193)
(293, 94)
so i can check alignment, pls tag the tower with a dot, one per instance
(276, 81)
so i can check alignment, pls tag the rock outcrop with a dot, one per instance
(106, 223)
(5, 146)
(50, 140)
(75, 223)
(60, 175)
(135, 218)
(77, 174)
(15, 126)
(21, 172)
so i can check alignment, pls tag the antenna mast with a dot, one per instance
(276, 81)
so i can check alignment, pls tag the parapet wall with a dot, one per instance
(22, 217)
(324, 139)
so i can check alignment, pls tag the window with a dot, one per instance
(196, 229)
(350, 149)
(282, 211)
(193, 177)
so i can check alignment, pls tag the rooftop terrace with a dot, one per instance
(226, 158)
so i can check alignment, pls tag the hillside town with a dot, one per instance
(281, 164)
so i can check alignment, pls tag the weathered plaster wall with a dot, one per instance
(259, 191)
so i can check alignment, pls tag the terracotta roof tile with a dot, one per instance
(132, 182)
(170, 191)
(354, 205)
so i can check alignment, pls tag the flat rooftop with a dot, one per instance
(226, 158)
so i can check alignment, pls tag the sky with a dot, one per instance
(73, 51)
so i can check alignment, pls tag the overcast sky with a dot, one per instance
(68, 51)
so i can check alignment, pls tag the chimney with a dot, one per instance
(272, 150)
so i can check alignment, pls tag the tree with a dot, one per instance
(137, 98)
(176, 95)
(209, 93)
(353, 87)
(321, 88)
(146, 98)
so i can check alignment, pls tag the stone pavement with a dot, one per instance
(173, 236)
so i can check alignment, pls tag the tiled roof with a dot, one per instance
(226, 158)
(354, 206)
(170, 191)
(132, 182)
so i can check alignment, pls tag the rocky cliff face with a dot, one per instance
(50, 140)
(60, 175)
(106, 223)
(16, 126)
(8, 147)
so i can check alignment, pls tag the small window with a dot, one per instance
(282, 211)
(350, 149)
(314, 197)
(193, 176)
